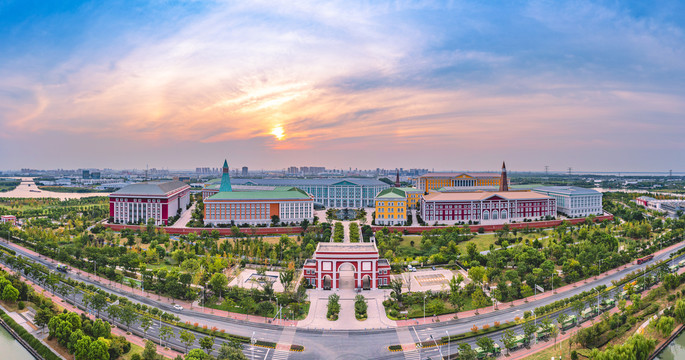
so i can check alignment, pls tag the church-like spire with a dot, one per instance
(397, 179)
(503, 182)
(225, 179)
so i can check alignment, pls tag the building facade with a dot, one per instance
(437, 180)
(8, 219)
(338, 193)
(158, 200)
(574, 201)
(486, 207)
(359, 262)
(391, 207)
(228, 206)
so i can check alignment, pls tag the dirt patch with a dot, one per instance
(58, 348)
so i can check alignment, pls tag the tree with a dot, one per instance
(529, 329)
(578, 307)
(508, 339)
(554, 332)
(396, 287)
(150, 351)
(218, 282)
(286, 278)
(166, 333)
(197, 354)
(207, 343)
(275, 220)
(665, 325)
(145, 323)
(485, 343)
(187, 338)
(679, 311)
(113, 312)
(333, 306)
(128, 315)
(82, 348)
(42, 317)
(478, 299)
(100, 329)
(466, 353)
(231, 352)
(98, 350)
(10, 293)
(98, 302)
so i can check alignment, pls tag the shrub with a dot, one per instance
(496, 324)
(486, 327)
(20, 305)
(474, 328)
(135, 356)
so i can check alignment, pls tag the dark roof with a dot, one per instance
(567, 190)
(151, 188)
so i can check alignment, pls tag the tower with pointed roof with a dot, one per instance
(503, 183)
(397, 179)
(225, 179)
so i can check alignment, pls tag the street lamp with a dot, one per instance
(449, 354)
(436, 345)
(424, 308)
(253, 341)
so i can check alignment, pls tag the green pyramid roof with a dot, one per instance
(225, 179)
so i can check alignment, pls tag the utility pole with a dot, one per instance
(546, 170)
(569, 171)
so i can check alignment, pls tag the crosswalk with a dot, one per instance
(280, 355)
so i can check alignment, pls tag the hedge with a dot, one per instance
(43, 350)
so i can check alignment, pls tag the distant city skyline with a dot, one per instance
(593, 85)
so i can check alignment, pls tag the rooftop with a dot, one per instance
(346, 247)
(484, 195)
(456, 174)
(280, 194)
(567, 190)
(391, 193)
(151, 188)
(301, 182)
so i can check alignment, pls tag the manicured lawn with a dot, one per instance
(482, 241)
(135, 349)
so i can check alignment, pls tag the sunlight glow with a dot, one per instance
(278, 132)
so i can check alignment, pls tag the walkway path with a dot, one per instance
(316, 319)
(185, 218)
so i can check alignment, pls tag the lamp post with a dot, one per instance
(424, 308)
(436, 345)
(253, 341)
(449, 354)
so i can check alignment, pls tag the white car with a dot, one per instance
(178, 307)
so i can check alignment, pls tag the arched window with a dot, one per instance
(494, 215)
(486, 215)
(504, 214)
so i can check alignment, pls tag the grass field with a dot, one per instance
(482, 241)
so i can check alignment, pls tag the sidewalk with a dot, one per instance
(171, 354)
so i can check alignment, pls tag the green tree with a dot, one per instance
(42, 317)
(128, 315)
(9, 293)
(98, 302)
(228, 352)
(207, 343)
(679, 311)
(508, 339)
(150, 351)
(100, 329)
(562, 318)
(396, 287)
(166, 333)
(665, 325)
(286, 278)
(218, 282)
(145, 323)
(485, 343)
(529, 329)
(197, 354)
(466, 352)
(187, 338)
(478, 299)
(98, 350)
(83, 348)
(333, 306)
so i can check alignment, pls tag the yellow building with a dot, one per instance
(435, 181)
(413, 196)
(391, 207)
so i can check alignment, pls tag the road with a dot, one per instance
(334, 344)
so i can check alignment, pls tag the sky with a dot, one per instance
(592, 85)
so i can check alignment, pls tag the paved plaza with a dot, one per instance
(316, 319)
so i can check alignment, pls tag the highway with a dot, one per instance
(338, 344)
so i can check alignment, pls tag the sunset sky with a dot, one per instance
(413, 84)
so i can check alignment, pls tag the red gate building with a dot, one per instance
(329, 260)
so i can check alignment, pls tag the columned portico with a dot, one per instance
(330, 259)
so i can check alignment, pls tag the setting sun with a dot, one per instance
(278, 132)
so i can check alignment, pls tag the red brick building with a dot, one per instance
(347, 265)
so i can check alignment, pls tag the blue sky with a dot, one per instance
(269, 84)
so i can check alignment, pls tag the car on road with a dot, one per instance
(178, 307)
(433, 267)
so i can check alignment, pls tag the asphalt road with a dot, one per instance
(335, 344)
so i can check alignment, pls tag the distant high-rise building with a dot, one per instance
(293, 170)
(95, 175)
(244, 170)
(86, 174)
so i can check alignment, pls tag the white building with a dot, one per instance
(158, 200)
(574, 201)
